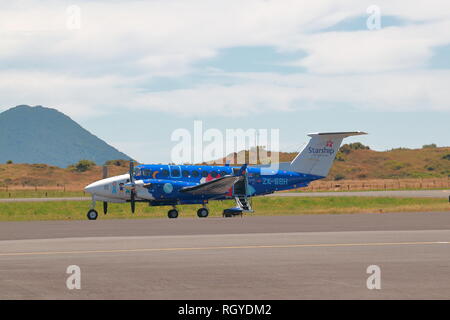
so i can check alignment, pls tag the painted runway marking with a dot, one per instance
(224, 248)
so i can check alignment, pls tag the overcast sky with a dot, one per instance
(131, 72)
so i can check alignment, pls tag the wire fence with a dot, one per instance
(379, 184)
(320, 185)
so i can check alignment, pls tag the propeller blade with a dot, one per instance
(105, 207)
(132, 201)
(132, 187)
(131, 171)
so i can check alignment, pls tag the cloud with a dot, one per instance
(388, 49)
(254, 93)
(122, 45)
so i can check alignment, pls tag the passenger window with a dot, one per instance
(222, 173)
(195, 173)
(185, 173)
(175, 173)
(165, 173)
(147, 172)
(213, 174)
(204, 173)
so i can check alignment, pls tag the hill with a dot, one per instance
(362, 163)
(44, 135)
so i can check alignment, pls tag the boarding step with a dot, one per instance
(244, 203)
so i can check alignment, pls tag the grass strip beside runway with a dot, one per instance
(265, 206)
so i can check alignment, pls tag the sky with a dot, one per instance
(132, 72)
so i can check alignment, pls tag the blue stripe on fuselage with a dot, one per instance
(183, 175)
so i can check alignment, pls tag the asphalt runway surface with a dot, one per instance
(287, 257)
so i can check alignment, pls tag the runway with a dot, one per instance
(291, 257)
(389, 193)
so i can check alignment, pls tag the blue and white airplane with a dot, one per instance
(172, 185)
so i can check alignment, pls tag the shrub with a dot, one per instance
(82, 165)
(428, 146)
(9, 162)
(446, 157)
(339, 157)
(347, 148)
(339, 176)
(117, 163)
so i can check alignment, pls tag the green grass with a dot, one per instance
(265, 206)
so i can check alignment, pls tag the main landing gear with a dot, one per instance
(173, 213)
(202, 212)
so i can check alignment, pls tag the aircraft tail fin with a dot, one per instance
(317, 156)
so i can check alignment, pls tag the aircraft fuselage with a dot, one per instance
(164, 183)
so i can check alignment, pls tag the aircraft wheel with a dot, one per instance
(92, 214)
(202, 213)
(172, 214)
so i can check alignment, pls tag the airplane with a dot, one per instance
(172, 185)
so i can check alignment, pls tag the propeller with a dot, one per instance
(105, 175)
(133, 187)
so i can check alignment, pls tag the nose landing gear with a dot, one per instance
(92, 214)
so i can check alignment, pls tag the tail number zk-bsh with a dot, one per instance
(275, 181)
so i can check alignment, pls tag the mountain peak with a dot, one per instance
(45, 135)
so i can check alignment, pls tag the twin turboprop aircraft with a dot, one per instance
(172, 185)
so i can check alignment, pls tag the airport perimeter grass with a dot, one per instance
(265, 206)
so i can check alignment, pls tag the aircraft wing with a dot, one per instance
(214, 187)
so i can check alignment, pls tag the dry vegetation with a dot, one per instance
(42, 176)
(360, 169)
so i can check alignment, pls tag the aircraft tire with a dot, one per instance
(92, 214)
(202, 212)
(172, 214)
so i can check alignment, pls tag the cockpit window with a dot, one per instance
(147, 172)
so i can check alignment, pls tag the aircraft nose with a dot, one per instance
(88, 188)
(92, 188)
